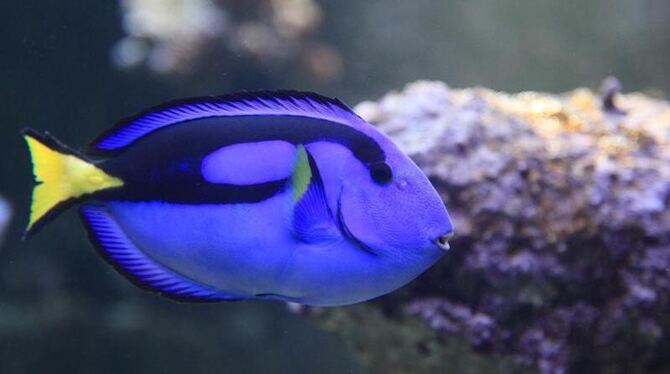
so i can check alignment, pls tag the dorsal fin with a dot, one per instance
(305, 104)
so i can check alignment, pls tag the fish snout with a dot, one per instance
(443, 241)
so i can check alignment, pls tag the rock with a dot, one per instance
(561, 260)
(178, 37)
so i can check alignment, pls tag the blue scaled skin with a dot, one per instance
(273, 195)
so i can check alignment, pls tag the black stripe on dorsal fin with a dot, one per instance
(295, 103)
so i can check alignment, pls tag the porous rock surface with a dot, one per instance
(561, 261)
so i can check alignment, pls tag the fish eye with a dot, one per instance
(381, 172)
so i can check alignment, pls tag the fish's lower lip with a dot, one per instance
(443, 241)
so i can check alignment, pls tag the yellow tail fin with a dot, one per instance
(61, 176)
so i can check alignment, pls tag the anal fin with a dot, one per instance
(117, 249)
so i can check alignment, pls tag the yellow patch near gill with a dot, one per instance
(302, 174)
(61, 177)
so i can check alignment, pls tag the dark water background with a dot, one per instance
(63, 310)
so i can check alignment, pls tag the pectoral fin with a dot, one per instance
(312, 218)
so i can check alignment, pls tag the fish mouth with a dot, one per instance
(342, 224)
(443, 241)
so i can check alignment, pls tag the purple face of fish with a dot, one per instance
(280, 196)
(389, 207)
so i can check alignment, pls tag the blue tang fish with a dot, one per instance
(270, 195)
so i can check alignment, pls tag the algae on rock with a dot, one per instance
(406, 345)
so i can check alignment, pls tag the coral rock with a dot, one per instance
(561, 259)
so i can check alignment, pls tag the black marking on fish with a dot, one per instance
(303, 104)
(165, 165)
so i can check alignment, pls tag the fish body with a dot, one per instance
(275, 195)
